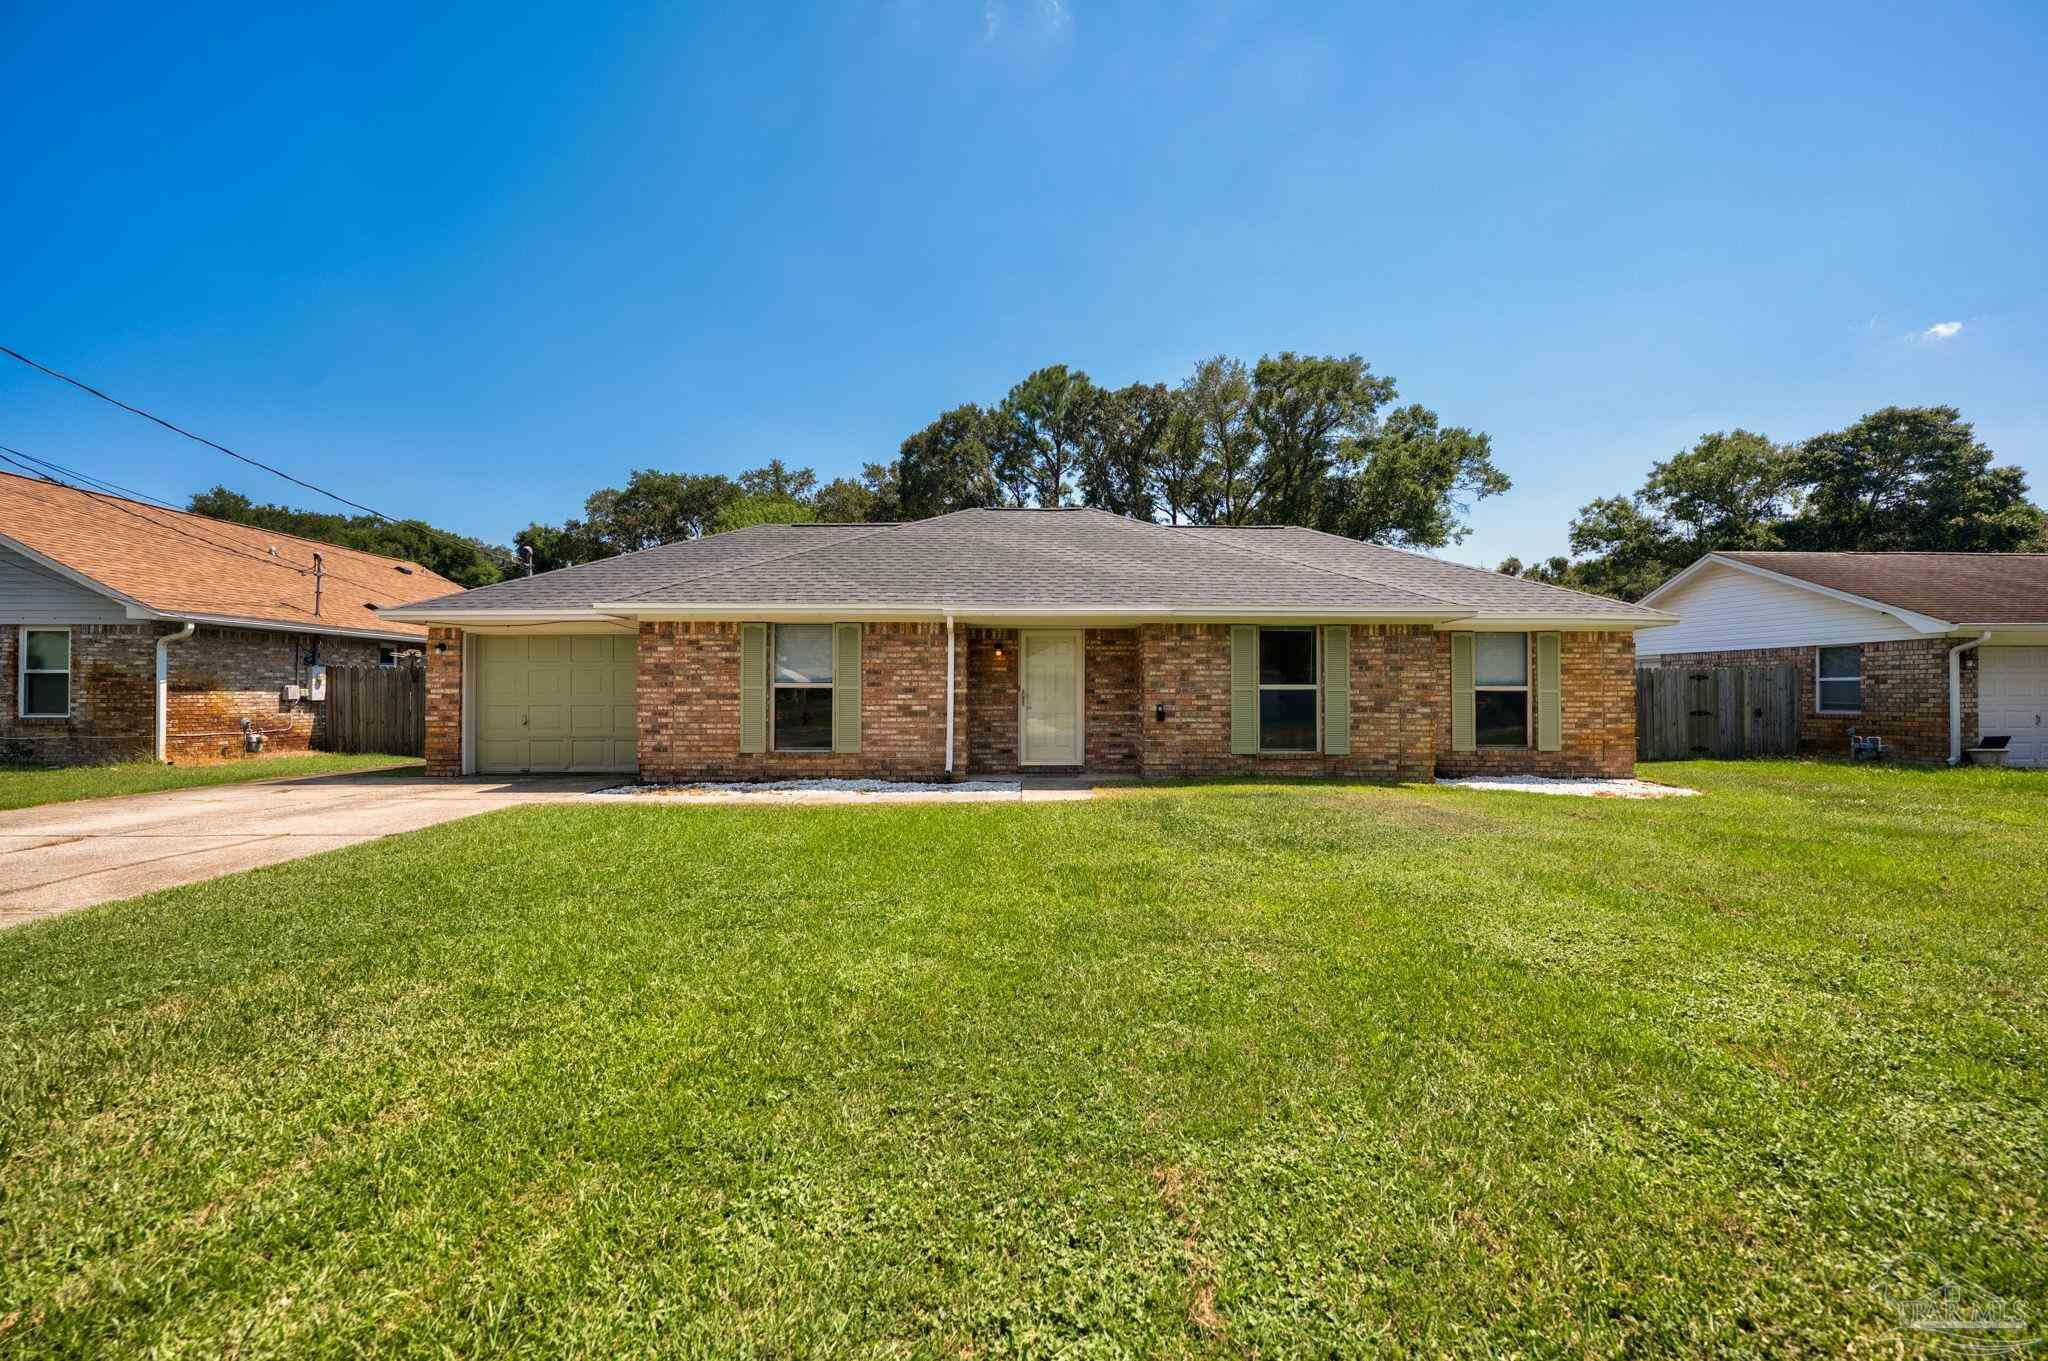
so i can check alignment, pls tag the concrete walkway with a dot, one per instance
(69, 855)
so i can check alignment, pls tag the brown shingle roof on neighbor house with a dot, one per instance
(1958, 588)
(179, 565)
(1071, 561)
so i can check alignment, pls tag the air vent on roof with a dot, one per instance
(406, 570)
(272, 548)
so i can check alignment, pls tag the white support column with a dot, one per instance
(949, 692)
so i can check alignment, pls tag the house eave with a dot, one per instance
(1919, 623)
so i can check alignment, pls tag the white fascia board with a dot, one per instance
(1919, 623)
(1560, 623)
(412, 614)
(136, 609)
(287, 626)
(972, 614)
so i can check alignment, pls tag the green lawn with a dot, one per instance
(1228, 1069)
(26, 788)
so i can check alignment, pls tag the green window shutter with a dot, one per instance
(1244, 690)
(1463, 721)
(753, 687)
(1337, 690)
(846, 687)
(1549, 692)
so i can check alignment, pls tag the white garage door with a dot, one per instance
(555, 702)
(2012, 701)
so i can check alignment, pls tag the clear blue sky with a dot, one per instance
(471, 266)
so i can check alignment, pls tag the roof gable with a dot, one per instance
(1956, 588)
(180, 565)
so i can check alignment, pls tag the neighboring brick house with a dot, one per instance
(998, 642)
(1932, 652)
(128, 630)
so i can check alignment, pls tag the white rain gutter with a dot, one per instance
(949, 692)
(1955, 697)
(163, 684)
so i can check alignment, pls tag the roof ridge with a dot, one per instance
(318, 545)
(1868, 553)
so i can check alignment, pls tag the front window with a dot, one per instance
(1839, 680)
(1500, 689)
(1287, 689)
(45, 673)
(803, 687)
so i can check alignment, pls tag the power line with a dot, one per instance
(254, 463)
(26, 462)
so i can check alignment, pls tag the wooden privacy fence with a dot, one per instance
(1717, 711)
(377, 708)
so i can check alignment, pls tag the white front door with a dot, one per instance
(2012, 701)
(1049, 698)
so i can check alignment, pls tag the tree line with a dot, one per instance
(1292, 439)
(1903, 479)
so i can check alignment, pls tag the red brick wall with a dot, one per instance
(218, 678)
(1905, 694)
(1396, 688)
(113, 698)
(444, 701)
(221, 678)
(1110, 679)
(689, 698)
(1597, 678)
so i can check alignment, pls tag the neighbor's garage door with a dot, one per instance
(555, 701)
(2012, 701)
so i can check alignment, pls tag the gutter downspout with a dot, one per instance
(163, 684)
(1955, 697)
(949, 692)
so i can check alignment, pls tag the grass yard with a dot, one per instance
(26, 788)
(1216, 1070)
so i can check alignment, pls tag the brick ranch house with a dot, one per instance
(999, 642)
(129, 631)
(1930, 651)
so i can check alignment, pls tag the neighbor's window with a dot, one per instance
(387, 657)
(45, 673)
(803, 687)
(1500, 689)
(1287, 689)
(1840, 680)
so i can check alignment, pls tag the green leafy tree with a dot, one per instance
(873, 499)
(1218, 398)
(949, 465)
(1183, 483)
(1119, 469)
(776, 480)
(1910, 478)
(1411, 481)
(1311, 414)
(753, 509)
(468, 561)
(1053, 420)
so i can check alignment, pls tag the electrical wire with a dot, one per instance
(254, 463)
(26, 462)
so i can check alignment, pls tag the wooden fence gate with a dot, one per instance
(377, 709)
(1683, 713)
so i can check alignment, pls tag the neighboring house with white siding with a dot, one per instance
(129, 630)
(1930, 651)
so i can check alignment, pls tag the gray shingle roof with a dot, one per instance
(1964, 588)
(1020, 560)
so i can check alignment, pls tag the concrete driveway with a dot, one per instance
(70, 855)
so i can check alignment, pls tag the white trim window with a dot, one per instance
(1838, 680)
(45, 684)
(1287, 690)
(800, 676)
(387, 657)
(1500, 689)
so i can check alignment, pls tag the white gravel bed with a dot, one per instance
(798, 791)
(1582, 788)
